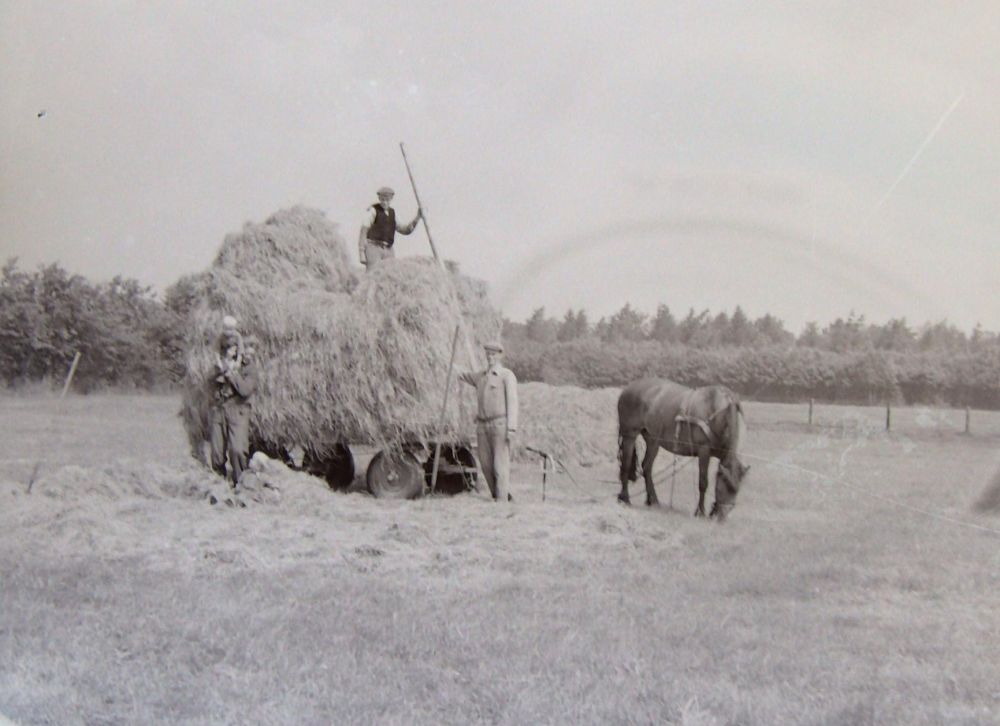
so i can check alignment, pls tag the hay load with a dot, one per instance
(298, 246)
(343, 356)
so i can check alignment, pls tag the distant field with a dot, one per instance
(854, 583)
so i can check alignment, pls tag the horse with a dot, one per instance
(704, 422)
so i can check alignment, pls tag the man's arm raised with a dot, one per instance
(408, 228)
(467, 376)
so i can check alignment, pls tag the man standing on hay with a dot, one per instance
(235, 383)
(378, 232)
(496, 419)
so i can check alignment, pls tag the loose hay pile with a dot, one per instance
(124, 479)
(342, 356)
(573, 424)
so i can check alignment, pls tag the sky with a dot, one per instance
(801, 159)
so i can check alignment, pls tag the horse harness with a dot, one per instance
(685, 417)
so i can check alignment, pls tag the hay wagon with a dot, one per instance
(403, 473)
(353, 366)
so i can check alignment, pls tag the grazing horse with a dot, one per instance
(702, 422)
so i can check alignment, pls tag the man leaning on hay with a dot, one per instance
(378, 231)
(496, 418)
(234, 384)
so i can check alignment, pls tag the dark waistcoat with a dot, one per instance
(383, 228)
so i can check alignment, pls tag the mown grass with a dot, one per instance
(824, 600)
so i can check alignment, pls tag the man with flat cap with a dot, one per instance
(378, 231)
(496, 419)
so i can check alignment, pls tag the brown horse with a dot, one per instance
(702, 422)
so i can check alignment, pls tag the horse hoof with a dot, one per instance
(652, 502)
(624, 499)
(699, 512)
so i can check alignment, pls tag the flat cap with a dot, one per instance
(493, 346)
(385, 190)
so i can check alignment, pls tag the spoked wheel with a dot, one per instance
(396, 475)
(456, 469)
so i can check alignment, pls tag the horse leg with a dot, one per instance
(626, 454)
(704, 456)
(652, 449)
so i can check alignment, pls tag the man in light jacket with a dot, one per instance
(496, 419)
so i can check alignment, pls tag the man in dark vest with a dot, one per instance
(378, 231)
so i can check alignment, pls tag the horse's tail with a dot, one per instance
(631, 468)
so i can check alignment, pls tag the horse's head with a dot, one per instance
(727, 485)
(731, 471)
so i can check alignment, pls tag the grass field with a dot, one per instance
(853, 584)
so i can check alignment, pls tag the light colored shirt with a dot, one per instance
(496, 394)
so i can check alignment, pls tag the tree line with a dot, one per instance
(126, 335)
(705, 330)
(129, 337)
(848, 360)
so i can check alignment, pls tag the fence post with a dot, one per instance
(967, 416)
(888, 416)
(810, 412)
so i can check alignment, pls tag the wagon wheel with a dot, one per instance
(341, 471)
(337, 467)
(456, 469)
(395, 476)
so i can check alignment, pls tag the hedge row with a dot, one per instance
(774, 373)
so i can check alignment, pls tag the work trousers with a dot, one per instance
(229, 435)
(494, 455)
(376, 253)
